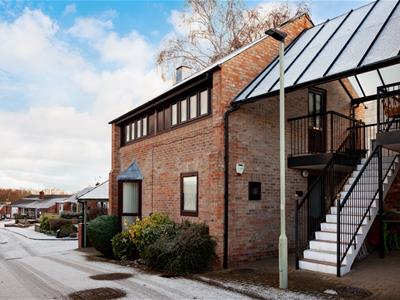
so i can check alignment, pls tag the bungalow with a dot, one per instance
(208, 148)
(71, 204)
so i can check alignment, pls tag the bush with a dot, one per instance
(101, 230)
(191, 250)
(66, 230)
(70, 215)
(149, 229)
(44, 223)
(56, 224)
(123, 246)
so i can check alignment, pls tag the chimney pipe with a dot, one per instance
(181, 73)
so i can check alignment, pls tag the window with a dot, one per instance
(130, 208)
(189, 194)
(316, 107)
(151, 124)
(193, 106)
(183, 110)
(133, 131)
(204, 102)
(139, 129)
(127, 133)
(160, 120)
(174, 114)
(254, 190)
(167, 118)
(144, 123)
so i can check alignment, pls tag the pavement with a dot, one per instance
(30, 233)
(44, 269)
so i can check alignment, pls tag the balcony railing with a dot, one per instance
(388, 107)
(322, 133)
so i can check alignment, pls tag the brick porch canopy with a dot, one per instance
(362, 45)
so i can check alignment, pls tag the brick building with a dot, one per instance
(208, 148)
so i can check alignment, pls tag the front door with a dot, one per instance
(130, 204)
(316, 124)
(315, 209)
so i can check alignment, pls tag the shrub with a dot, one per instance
(123, 246)
(44, 223)
(149, 229)
(56, 224)
(70, 215)
(66, 230)
(101, 230)
(191, 250)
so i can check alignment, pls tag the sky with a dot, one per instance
(69, 67)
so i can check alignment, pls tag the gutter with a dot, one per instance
(233, 108)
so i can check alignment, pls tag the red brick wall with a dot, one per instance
(196, 147)
(254, 141)
(392, 200)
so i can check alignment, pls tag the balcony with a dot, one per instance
(314, 139)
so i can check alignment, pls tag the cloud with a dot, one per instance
(64, 85)
(69, 9)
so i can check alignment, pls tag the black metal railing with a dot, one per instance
(355, 207)
(388, 107)
(322, 133)
(311, 209)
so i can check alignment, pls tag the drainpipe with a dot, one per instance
(226, 182)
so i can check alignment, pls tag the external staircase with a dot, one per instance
(358, 205)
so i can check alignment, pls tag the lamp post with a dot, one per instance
(283, 248)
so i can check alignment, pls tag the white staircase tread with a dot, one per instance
(331, 242)
(320, 262)
(342, 233)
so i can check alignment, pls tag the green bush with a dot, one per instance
(101, 230)
(66, 230)
(44, 223)
(190, 250)
(146, 231)
(70, 215)
(56, 224)
(123, 246)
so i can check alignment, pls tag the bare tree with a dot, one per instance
(211, 29)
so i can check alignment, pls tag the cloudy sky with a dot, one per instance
(67, 69)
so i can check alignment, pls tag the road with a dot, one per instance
(33, 269)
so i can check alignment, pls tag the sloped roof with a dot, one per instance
(206, 70)
(74, 198)
(99, 192)
(351, 42)
(131, 173)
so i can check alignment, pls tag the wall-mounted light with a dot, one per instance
(305, 173)
(239, 168)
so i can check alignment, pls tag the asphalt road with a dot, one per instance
(32, 269)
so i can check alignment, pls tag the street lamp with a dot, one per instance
(283, 248)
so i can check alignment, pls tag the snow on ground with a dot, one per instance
(29, 232)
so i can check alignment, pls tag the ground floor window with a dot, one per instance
(130, 202)
(189, 194)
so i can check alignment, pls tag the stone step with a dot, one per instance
(320, 266)
(326, 246)
(350, 219)
(332, 236)
(320, 255)
(332, 227)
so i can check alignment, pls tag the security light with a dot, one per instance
(276, 34)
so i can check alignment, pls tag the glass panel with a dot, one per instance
(126, 221)
(130, 198)
(369, 82)
(388, 43)
(322, 62)
(391, 74)
(144, 125)
(193, 106)
(317, 103)
(174, 117)
(190, 193)
(127, 133)
(360, 42)
(204, 102)
(311, 109)
(183, 110)
(139, 129)
(167, 118)
(160, 121)
(355, 85)
(133, 131)
(290, 56)
(151, 124)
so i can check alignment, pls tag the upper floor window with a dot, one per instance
(187, 109)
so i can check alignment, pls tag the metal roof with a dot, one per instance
(348, 43)
(74, 198)
(99, 192)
